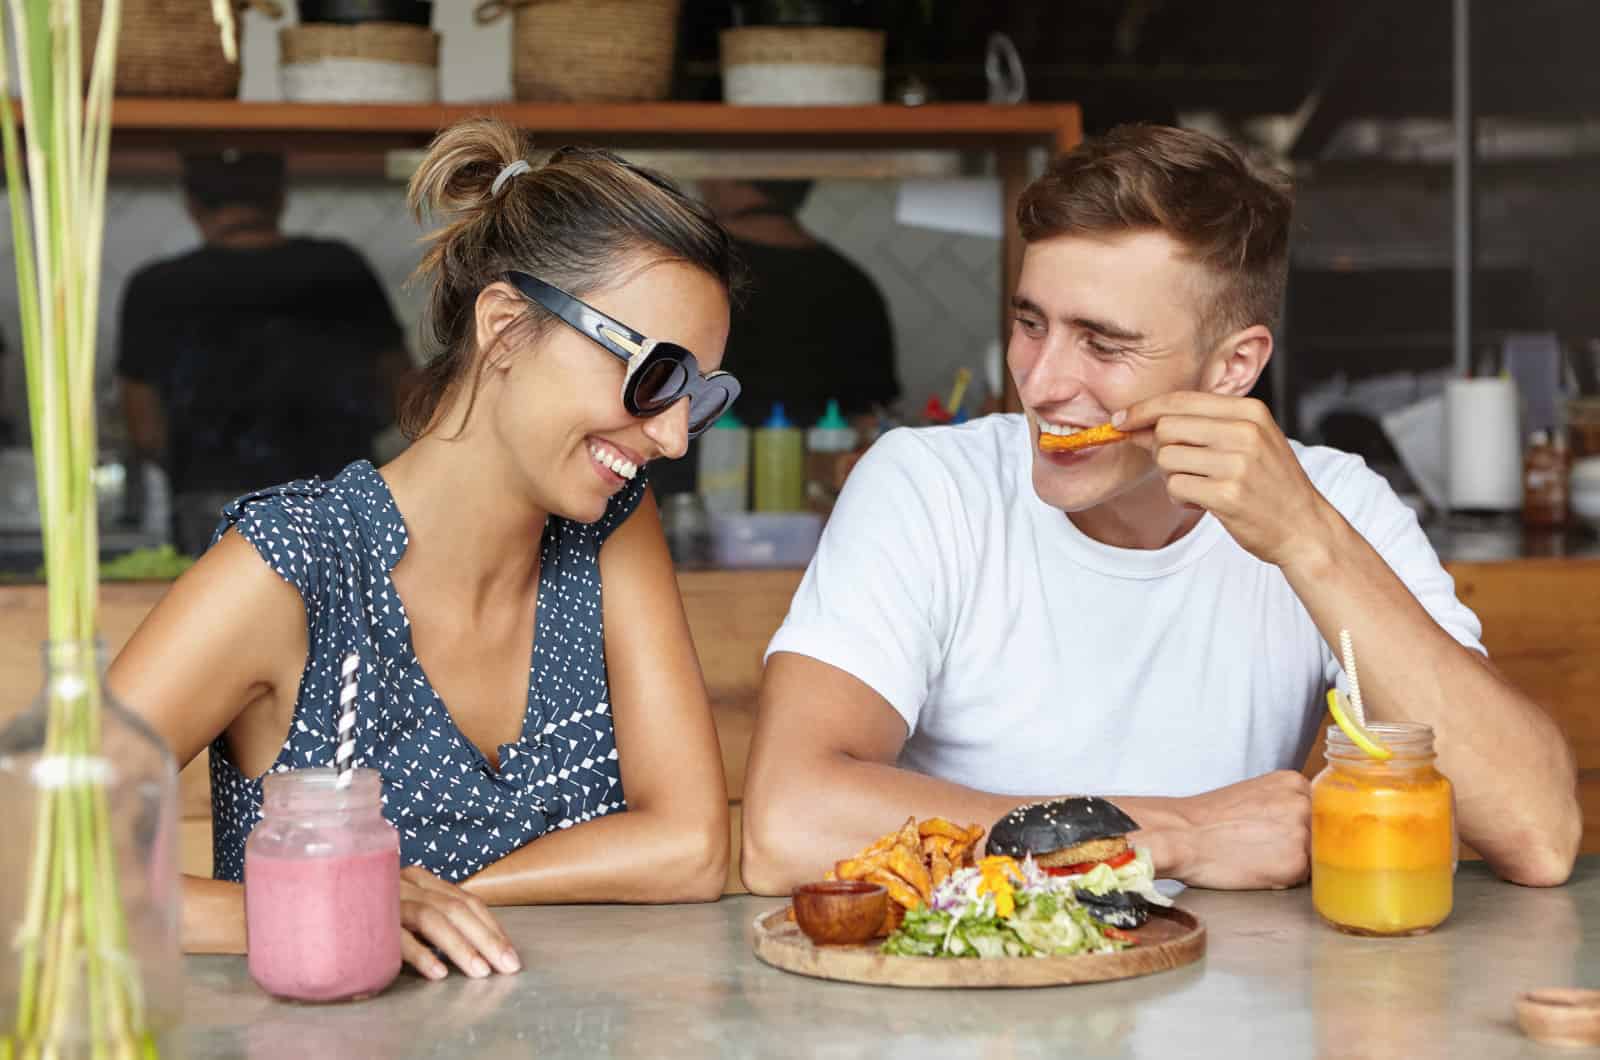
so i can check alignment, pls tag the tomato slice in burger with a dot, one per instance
(1079, 868)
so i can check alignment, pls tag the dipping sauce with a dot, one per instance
(1383, 835)
(840, 912)
(322, 889)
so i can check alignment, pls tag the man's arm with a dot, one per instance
(1514, 775)
(821, 783)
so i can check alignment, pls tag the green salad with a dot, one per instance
(1000, 908)
(1043, 924)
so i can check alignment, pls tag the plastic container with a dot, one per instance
(322, 888)
(723, 471)
(780, 465)
(764, 539)
(828, 441)
(1383, 835)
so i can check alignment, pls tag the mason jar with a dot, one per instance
(1383, 835)
(322, 888)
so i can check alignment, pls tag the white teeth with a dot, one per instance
(1058, 428)
(625, 468)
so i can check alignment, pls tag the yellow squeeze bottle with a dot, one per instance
(780, 465)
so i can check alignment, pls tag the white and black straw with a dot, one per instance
(344, 759)
(1348, 651)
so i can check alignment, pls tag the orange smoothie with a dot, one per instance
(1383, 843)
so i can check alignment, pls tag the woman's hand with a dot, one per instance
(435, 915)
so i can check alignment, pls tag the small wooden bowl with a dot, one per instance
(1560, 1016)
(840, 912)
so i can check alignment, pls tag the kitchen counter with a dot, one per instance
(1494, 539)
(682, 981)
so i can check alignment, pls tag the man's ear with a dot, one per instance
(1238, 361)
(498, 308)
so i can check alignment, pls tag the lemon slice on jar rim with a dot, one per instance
(1343, 717)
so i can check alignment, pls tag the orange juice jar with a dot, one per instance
(1383, 835)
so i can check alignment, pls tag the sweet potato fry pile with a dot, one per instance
(1104, 434)
(911, 862)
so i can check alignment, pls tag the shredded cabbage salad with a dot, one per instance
(1003, 908)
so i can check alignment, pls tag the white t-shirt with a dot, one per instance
(1029, 659)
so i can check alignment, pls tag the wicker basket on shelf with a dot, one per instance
(801, 65)
(169, 48)
(366, 62)
(590, 51)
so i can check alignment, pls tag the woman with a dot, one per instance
(522, 496)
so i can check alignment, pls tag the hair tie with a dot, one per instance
(507, 171)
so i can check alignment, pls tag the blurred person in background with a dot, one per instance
(811, 325)
(258, 357)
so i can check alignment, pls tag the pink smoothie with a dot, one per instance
(323, 928)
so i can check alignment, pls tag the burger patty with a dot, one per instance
(1093, 850)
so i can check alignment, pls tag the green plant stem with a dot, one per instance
(74, 938)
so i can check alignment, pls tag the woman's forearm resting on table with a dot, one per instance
(1514, 775)
(637, 856)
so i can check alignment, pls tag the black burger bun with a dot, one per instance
(1056, 829)
(1120, 909)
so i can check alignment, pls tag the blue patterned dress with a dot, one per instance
(336, 542)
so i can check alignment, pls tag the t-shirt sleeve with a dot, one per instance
(876, 600)
(142, 349)
(1368, 503)
(282, 525)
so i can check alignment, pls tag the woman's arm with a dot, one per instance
(223, 651)
(672, 844)
(215, 647)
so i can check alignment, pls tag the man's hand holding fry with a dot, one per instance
(1226, 455)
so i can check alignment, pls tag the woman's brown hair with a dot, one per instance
(1198, 190)
(574, 221)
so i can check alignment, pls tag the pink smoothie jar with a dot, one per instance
(322, 888)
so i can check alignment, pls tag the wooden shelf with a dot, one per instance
(180, 122)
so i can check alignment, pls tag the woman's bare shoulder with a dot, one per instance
(228, 631)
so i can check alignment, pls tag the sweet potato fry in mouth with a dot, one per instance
(1104, 434)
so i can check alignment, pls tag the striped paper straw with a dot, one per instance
(344, 759)
(1349, 652)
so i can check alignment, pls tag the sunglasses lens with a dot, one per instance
(706, 406)
(659, 381)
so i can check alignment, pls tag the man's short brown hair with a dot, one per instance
(1198, 190)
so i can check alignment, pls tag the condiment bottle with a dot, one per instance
(322, 888)
(1383, 835)
(724, 468)
(1545, 469)
(780, 466)
(829, 440)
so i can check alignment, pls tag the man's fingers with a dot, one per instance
(1144, 414)
(1199, 460)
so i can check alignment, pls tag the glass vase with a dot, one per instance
(89, 899)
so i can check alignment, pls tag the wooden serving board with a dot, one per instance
(1172, 938)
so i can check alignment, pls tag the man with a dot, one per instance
(810, 327)
(257, 358)
(986, 624)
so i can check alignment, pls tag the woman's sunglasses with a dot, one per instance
(659, 373)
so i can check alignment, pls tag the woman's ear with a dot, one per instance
(497, 309)
(1239, 361)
